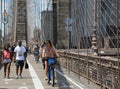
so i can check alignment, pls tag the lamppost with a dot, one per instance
(94, 38)
(4, 21)
(1, 24)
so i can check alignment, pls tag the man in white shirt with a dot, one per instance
(20, 57)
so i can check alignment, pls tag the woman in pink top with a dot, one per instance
(49, 52)
(6, 60)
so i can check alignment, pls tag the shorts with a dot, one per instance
(19, 63)
(52, 61)
(45, 59)
(7, 60)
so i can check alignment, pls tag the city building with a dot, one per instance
(47, 25)
(62, 14)
(53, 25)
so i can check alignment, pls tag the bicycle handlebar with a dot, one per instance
(51, 57)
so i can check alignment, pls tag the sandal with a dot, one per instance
(46, 78)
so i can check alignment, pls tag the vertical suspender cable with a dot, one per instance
(77, 32)
(46, 9)
(99, 69)
(7, 19)
(4, 4)
(6, 24)
(117, 24)
(41, 20)
(1, 18)
(35, 15)
(4, 20)
(86, 36)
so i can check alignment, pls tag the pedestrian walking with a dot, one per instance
(36, 52)
(19, 58)
(6, 60)
(42, 47)
(12, 52)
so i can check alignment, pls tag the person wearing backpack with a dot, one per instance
(36, 54)
(6, 54)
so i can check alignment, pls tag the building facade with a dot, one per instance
(52, 23)
(47, 25)
(62, 14)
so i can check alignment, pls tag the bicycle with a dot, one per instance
(51, 73)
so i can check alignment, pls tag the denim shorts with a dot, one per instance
(52, 61)
(7, 60)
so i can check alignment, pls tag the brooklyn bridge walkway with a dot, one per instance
(33, 78)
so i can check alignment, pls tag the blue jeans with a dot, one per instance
(36, 58)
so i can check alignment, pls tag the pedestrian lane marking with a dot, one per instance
(8, 79)
(6, 82)
(63, 85)
(23, 87)
(35, 79)
(24, 83)
(80, 86)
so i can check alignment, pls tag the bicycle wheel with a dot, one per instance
(52, 77)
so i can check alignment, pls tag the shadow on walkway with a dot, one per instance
(62, 81)
(0, 68)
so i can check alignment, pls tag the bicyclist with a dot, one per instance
(49, 52)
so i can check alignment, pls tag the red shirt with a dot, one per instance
(6, 54)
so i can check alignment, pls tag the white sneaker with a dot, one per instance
(16, 76)
(20, 76)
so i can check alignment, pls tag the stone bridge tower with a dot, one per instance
(20, 21)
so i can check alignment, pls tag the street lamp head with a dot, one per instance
(5, 13)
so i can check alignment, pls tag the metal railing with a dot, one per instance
(102, 71)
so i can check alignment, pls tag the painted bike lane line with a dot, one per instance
(80, 86)
(35, 78)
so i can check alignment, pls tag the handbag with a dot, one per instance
(26, 65)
